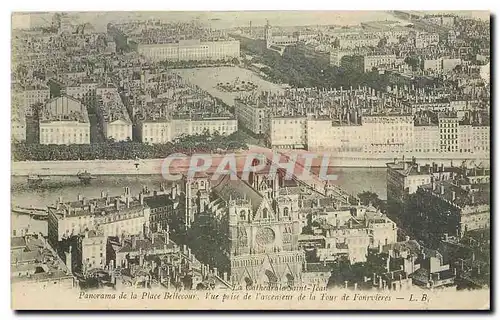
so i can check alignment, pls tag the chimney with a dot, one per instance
(103, 194)
(225, 276)
(442, 189)
(216, 272)
(134, 242)
(472, 200)
(141, 198)
(127, 191)
(442, 167)
(80, 197)
(127, 201)
(173, 192)
(453, 196)
(117, 204)
(60, 199)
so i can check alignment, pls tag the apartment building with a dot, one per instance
(427, 132)
(425, 39)
(32, 95)
(113, 116)
(64, 120)
(35, 264)
(455, 206)
(191, 50)
(481, 138)
(83, 90)
(18, 125)
(111, 216)
(448, 132)
(91, 250)
(375, 61)
(224, 125)
(349, 232)
(404, 177)
(251, 115)
(156, 130)
(389, 133)
(351, 41)
(287, 132)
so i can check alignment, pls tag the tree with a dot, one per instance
(368, 197)
(413, 62)
(382, 42)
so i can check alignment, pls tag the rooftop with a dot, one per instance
(64, 108)
(35, 262)
(459, 194)
(111, 108)
(106, 206)
(157, 241)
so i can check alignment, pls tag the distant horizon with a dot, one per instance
(235, 19)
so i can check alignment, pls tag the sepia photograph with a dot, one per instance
(250, 160)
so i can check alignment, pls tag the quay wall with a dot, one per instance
(154, 166)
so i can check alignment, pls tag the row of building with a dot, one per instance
(173, 42)
(450, 200)
(271, 231)
(352, 121)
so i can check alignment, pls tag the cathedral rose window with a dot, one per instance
(265, 236)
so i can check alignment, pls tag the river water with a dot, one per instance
(353, 180)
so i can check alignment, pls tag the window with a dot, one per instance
(285, 212)
(264, 213)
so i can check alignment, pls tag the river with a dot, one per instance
(353, 180)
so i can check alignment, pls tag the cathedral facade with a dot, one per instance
(256, 228)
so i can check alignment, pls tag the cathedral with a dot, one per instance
(247, 230)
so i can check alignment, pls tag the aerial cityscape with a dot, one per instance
(395, 106)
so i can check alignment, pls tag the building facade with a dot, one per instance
(191, 50)
(64, 120)
(250, 115)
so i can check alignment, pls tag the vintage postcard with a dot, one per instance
(250, 160)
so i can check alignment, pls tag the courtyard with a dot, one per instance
(208, 78)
